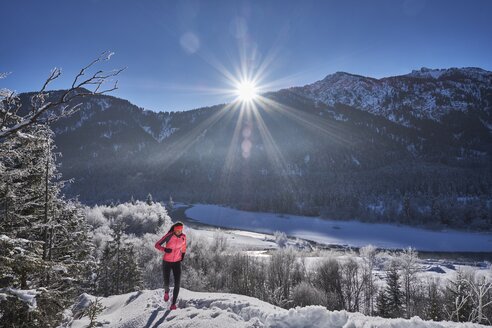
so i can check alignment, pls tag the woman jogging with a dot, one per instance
(174, 251)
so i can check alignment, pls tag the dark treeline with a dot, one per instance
(362, 166)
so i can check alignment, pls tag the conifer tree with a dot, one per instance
(394, 292)
(382, 304)
(118, 270)
(35, 214)
(433, 308)
(458, 304)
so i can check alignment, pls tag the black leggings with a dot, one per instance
(166, 269)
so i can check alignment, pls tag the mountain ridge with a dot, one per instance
(295, 153)
(436, 92)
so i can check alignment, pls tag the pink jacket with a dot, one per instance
(174, 247)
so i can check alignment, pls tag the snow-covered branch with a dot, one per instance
(48, 111)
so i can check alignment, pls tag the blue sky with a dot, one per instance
(182, 55)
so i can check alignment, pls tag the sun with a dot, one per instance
(246, 91)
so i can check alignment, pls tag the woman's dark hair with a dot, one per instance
(179, 223)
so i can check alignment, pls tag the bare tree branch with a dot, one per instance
(10, 104)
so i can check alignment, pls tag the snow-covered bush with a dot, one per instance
(139, 218)
(219, 243)
(143, 225)
(280, 238)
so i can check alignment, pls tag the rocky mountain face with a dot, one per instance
(414, 149)
(424, 94)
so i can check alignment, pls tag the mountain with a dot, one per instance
(414, 149)
(424, 94)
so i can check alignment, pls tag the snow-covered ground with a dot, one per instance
(350, 233)
(262, 245)
(235, 239)
(146, 309)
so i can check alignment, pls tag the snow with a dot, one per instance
(350, 233)
(206, 310)
(427, 72)
(236, 239)
(387, 96)
(27, 296)
(103, 104)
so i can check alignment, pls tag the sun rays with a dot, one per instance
(252, 147)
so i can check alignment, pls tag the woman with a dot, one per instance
(174, 252)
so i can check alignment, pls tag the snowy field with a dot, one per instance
(262, 245)
(146, 309)
(349, 233)
(235, 239)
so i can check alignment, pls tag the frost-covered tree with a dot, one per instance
(149, 199)
(118, 271)
(368, 254)
(409, 268)
(280, 238)
(479, 289)
(45, 110)
(45, 246)
(35, 212)
(170, 204)
(353, 281)
(458, 305)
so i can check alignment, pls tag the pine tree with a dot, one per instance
(105, 272)
(132, 274)
(433, 308)
(118, 270)
(382, 304)
(394, 293)
(44, 242)
(34, 213)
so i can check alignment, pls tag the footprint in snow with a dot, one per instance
(215, 315)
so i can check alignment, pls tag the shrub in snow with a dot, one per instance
(280, 274)
(305, 294)
(280, 238)
(139, 218)
(327, 277)
(95, 308)
(219, 242)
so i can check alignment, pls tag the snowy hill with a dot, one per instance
(424, 94)
(146, 309)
